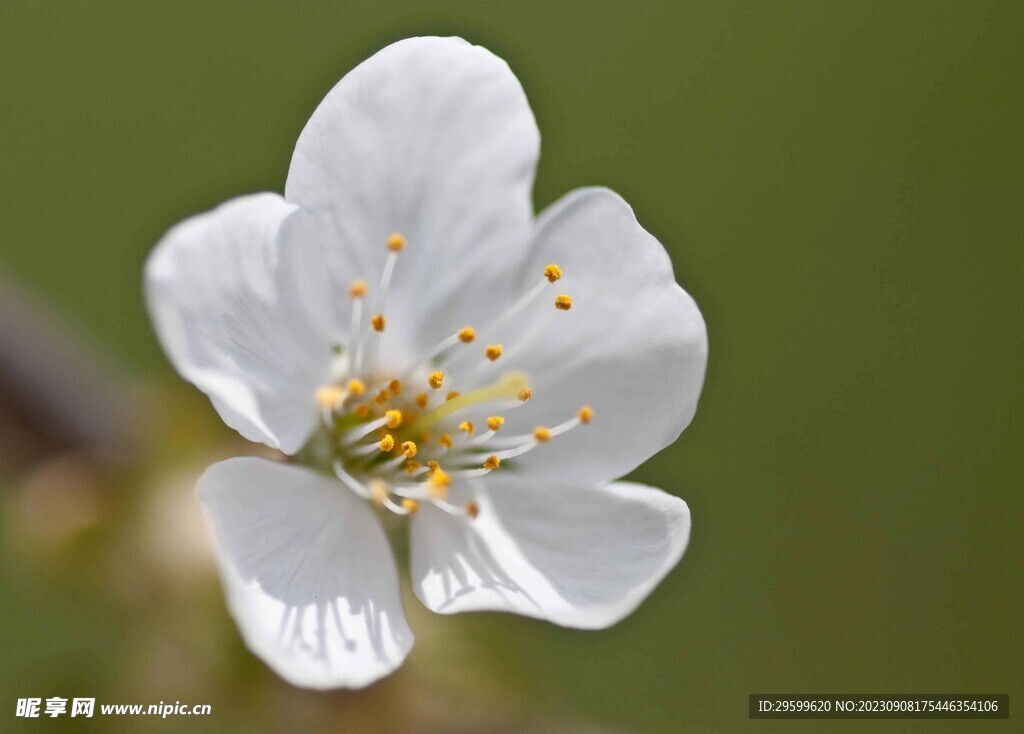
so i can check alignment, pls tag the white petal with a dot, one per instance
(431, 138)
(578, 557)
(240, 311)
(633, 346)
(308, 573)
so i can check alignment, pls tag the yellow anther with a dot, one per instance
(541, 434)
(387, 443)
(396, 242)
(378, 491)
(355, 386)
(412, 466)
(362, 410)
(494, 422)
(329, 396)
(393, 418)
(493, 352)
(378, 322)
(586, 414)
(411, 506)
(440, 478)
(435, 379)
(552, 272)
(466, 334)
(432, 466)
(473, 510)
(437, 485)
(492, 462)
(452, 394)
(409, 449)
(445, 440)
(563, 302)
(357, 288)
(381, 397)
(467, 426)
(426, 437)
(395, 387)
(422, 400)
(525, 394)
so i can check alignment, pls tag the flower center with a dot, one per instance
(400, 440)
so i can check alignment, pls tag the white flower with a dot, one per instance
(402, 265)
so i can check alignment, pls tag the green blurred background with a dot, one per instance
(841, 187)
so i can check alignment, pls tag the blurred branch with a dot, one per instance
(57, 394)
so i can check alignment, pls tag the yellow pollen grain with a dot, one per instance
(525, 394)
(466, 334)
(356, 386)
(435, 379)
(409, 449)
(467, 426)
(494, 422)
(381, 397)
(329, 396)
(432, 466)
(563, 302)
(552, 272)
(445, 440)
(493, 352)
(422, 400)
(586, 414)
(452, 394)
(473, 510)
(395, 386)
(412, 466)
(393, 418)
(379, 322)
(492, 462)
(411, 506)
(396, 242)
(387, 443)
(541, 434)
(357, 289)
(362, 410)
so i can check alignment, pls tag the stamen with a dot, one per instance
(437, 485)
(494, 422)
(355, 387)
(467, 427)
(435, 379)
(378, 322)
(542, 434)
(381, 397)
(387, 443)
(552, 272)
(445, 440)
(586, 414)
(357, 289)
(563, 302)
(409, 449)
(525, 394)
(492, 462)
(422, 400)
(466, 334)
(330, 397)
(395, 387)
(393, 418)
(411, 506)
(452, 394)
(493, 351)
(473, 510)
(362, 410)
(396, 242)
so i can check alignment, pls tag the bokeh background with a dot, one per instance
(840, 186)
